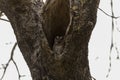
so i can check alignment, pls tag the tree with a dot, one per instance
(53, 37)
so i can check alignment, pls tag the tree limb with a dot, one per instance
(11, 59)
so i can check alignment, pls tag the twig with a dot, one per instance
(5, 68)
(112, 44)
(108, 14)
(4, 20)
(117, 29)
(19, 76)
(93, 78)
(117, 51)
(11, 59)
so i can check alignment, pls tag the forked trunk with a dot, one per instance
(54, 38)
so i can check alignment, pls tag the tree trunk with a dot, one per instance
(53, 37)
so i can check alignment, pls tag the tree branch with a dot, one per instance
(108, 14)
(4, 20)
(11, 59)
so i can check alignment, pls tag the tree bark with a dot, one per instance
(53, 37)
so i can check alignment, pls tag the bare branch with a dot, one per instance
(113, 45)
(108, 14)
(117, 29)
(4, 19)
(19, 76)
(117, 51)
(11, 59)
(5, 69)
(12, 52)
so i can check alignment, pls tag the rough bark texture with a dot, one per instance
(56, 25)
(39, 29)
